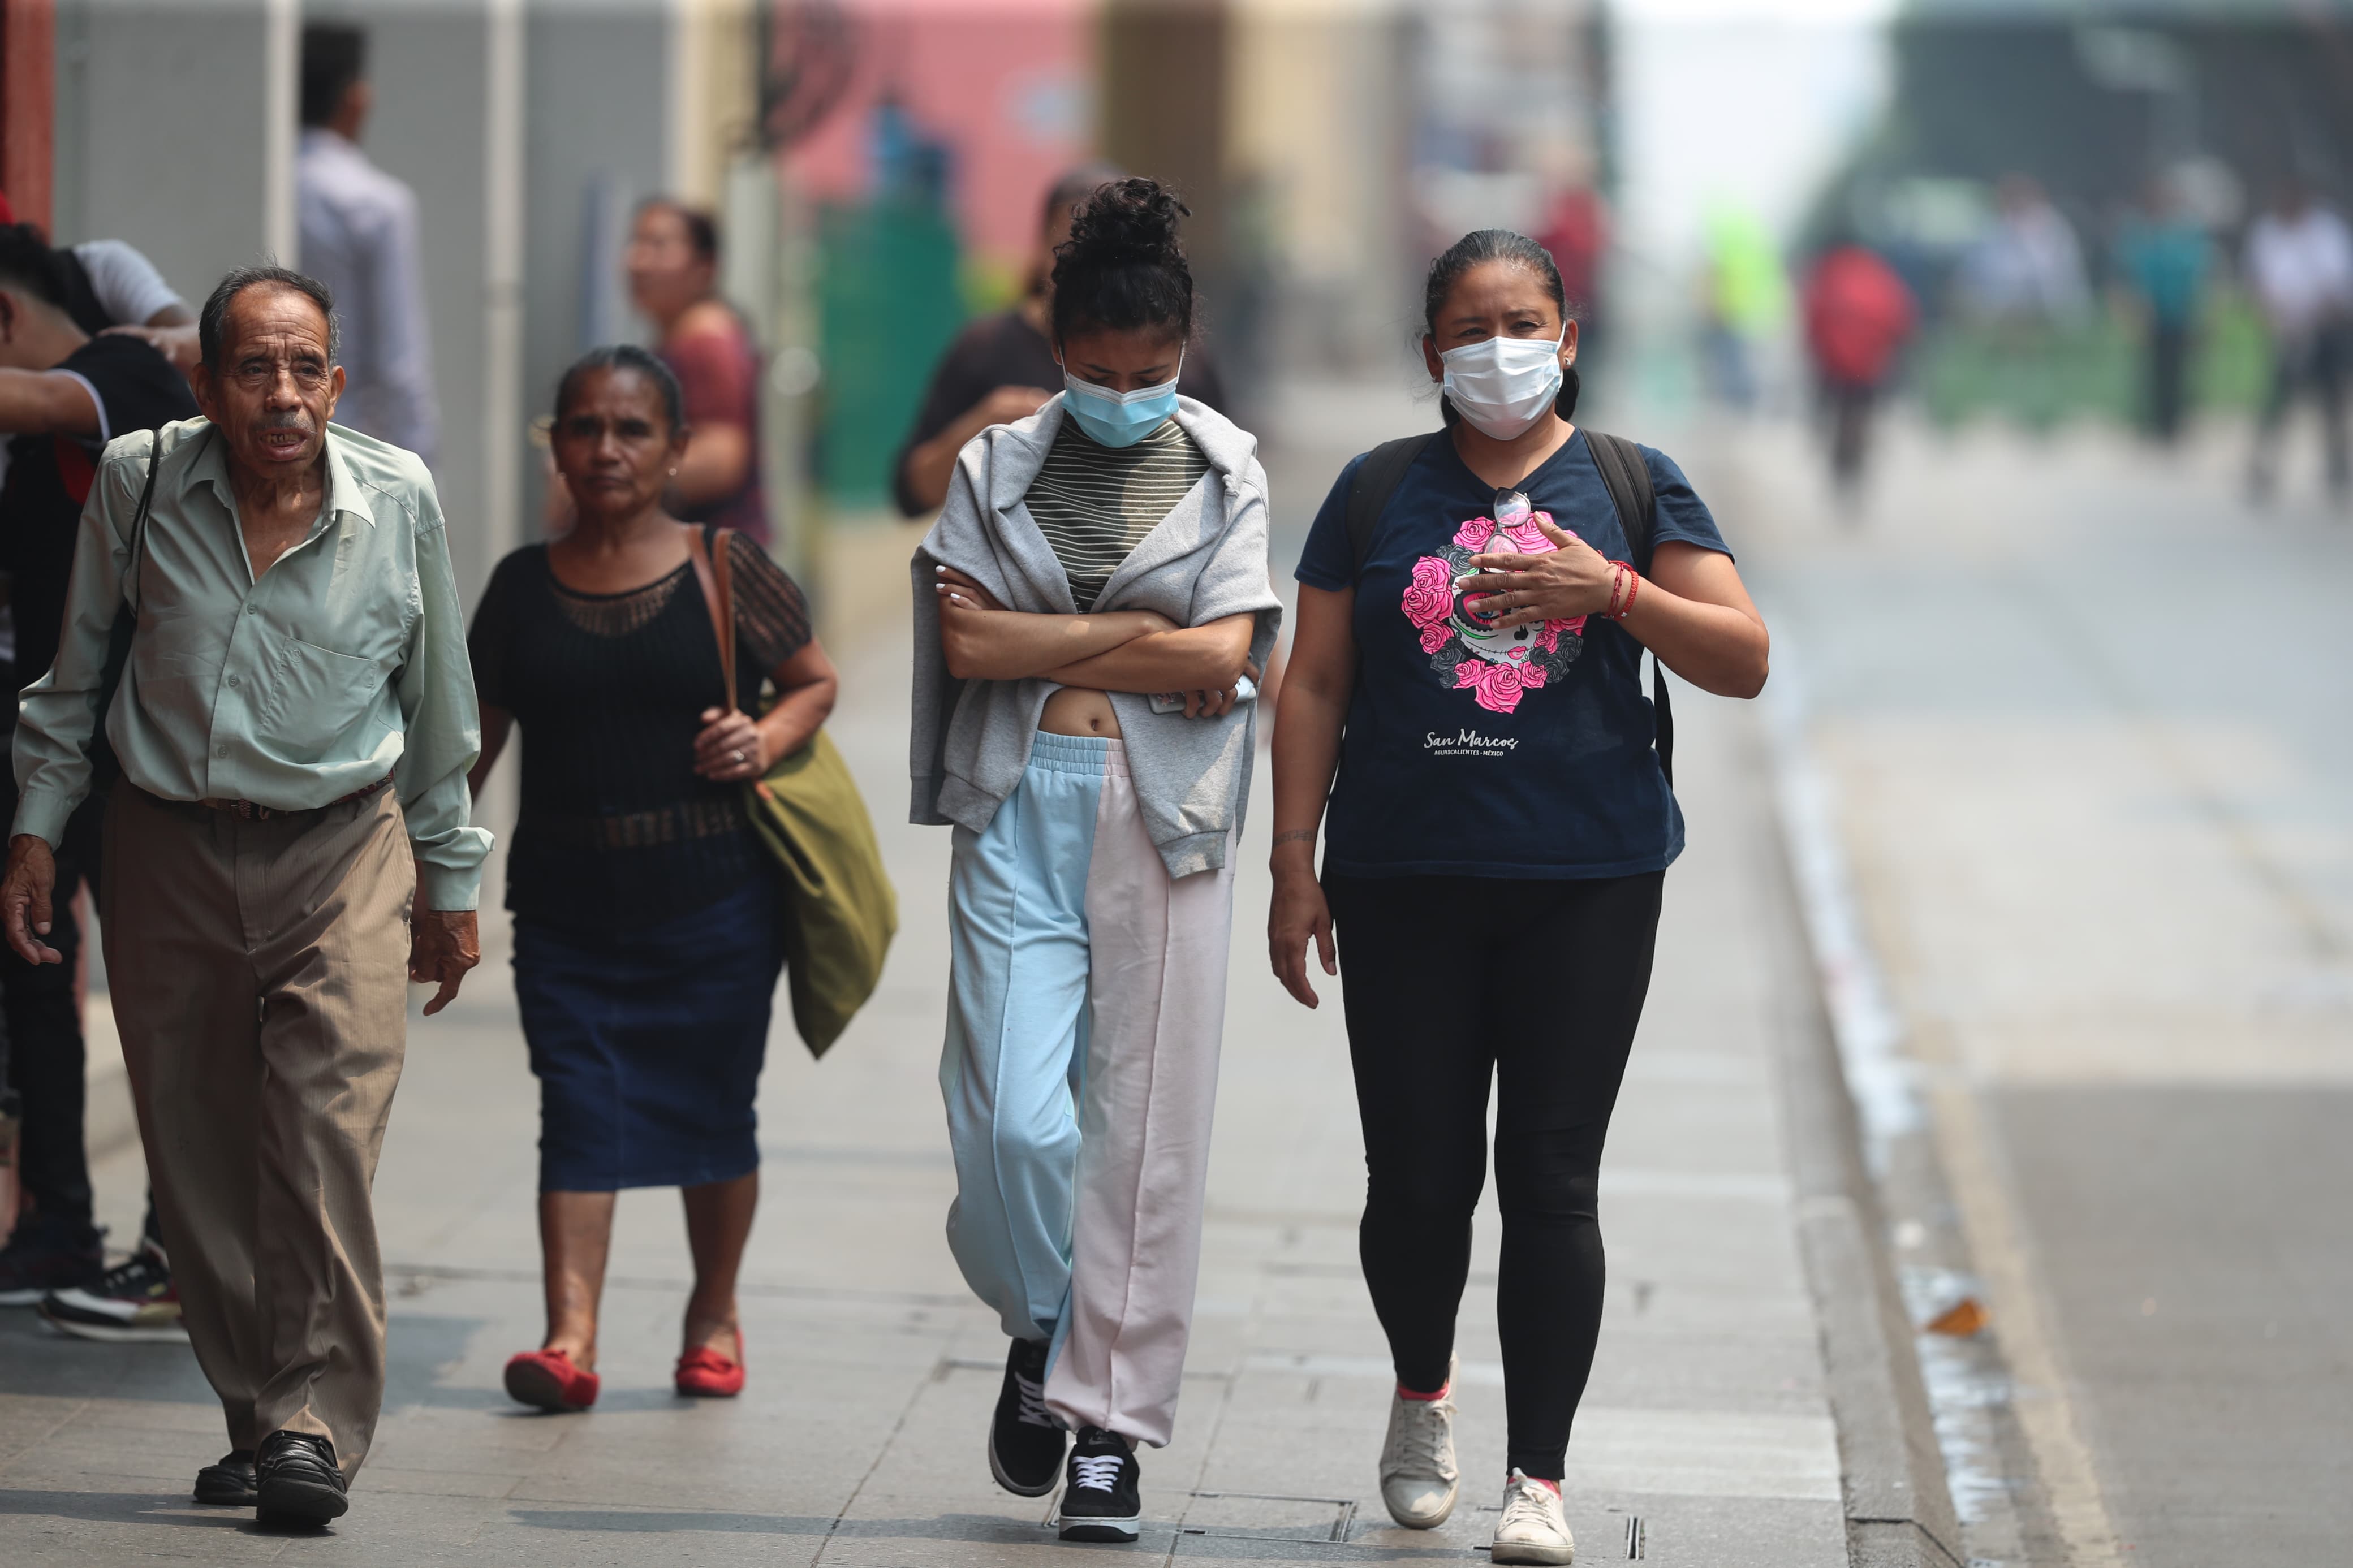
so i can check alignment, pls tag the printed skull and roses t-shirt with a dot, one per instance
(1473, 753)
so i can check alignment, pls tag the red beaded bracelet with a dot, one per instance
(1624, 579)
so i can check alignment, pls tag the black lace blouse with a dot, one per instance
(608, 689)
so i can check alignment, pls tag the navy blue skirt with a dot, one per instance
(648, 1043)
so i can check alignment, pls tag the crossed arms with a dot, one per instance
(1117, 650)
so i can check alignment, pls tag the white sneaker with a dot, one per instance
(1418, 1474)
(1535, 1529)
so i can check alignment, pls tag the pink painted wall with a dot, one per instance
(1007, 84)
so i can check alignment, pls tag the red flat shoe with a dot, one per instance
(546, 1380)
(704, 1374)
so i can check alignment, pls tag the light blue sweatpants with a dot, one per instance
(1086, 1004)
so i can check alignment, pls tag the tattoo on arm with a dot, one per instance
(1296, 835)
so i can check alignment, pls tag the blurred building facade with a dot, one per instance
(878, 166)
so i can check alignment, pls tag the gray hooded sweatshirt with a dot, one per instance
(1205, 561)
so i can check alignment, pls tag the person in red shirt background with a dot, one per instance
(673, 271)
(1857, 315)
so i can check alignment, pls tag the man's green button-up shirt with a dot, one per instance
(345, 662)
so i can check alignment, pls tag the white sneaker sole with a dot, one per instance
(1094, 1527)
(1431, 1522)
(1531, 1551)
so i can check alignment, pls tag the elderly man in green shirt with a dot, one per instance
(293, 722)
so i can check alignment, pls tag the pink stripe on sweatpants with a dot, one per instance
(1156, 999)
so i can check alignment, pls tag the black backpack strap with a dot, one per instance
(1378, 478)
(1628, 480)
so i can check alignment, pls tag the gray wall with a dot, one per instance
(431, 97)
(597, 135)
(161, 121)
(161, 117)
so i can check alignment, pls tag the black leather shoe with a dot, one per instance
(1101, 1500)
(228, 1483)
(296, 1481)
(1025, 1443)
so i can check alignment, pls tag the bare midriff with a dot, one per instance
(1075, 710)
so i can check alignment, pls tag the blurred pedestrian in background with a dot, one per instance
(649, 916)
(289, 840)
(1000, 367)
(1109, 547)
(112, 287)
(673, 271)
(63, 395)
(2165, 259)
(1745, 300)
(2027, 271)
(1858, 316)
(359, 238)
(1576, 230)
(1465, 689)
(2300, 267)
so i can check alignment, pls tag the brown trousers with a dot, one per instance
(260, 972)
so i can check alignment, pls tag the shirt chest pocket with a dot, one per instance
(314, 696)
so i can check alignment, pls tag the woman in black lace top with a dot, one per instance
(648, 917)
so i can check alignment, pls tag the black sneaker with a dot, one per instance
(296, 1481)
(1101, 1501)
(133, 1302)
(42, 1256)
(1025, 1442)
(228, 1483)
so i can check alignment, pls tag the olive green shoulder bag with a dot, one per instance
(807, 811)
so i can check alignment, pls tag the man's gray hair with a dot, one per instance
(267, 274)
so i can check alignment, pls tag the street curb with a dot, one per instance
(1899, 1507)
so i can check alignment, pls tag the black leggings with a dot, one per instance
(1451, 981)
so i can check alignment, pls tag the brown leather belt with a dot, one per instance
(249, 812)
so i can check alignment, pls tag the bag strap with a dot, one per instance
(1627, 478)
(146, 505)
(1378, 478)
(714, 572)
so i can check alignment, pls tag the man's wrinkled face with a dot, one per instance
(275, 388)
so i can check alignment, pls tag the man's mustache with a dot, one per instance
(285, 419)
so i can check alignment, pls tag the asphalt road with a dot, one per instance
(2087, 714)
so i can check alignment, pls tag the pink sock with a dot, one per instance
(1405, 1393)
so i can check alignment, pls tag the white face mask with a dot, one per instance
(1503, 385)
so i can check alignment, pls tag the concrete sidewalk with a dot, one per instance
(1706, 1437)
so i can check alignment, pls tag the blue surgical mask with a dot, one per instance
(1120, 418)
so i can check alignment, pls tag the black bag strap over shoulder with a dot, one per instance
(1378, 478)
(1628, 480)
(104, 766)
(1624, 475)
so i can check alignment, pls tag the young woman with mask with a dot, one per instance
(1473, 685)
(1110, 546)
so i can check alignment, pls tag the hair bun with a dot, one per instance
(1127, 221)
(1124, 268)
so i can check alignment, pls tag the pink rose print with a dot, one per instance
(1429, 599)
(1549, 636)
(1473, 535)
(1436, 636)
(1531, 539)
(1497, 686)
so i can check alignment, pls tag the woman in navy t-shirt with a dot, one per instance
(1466, 701)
